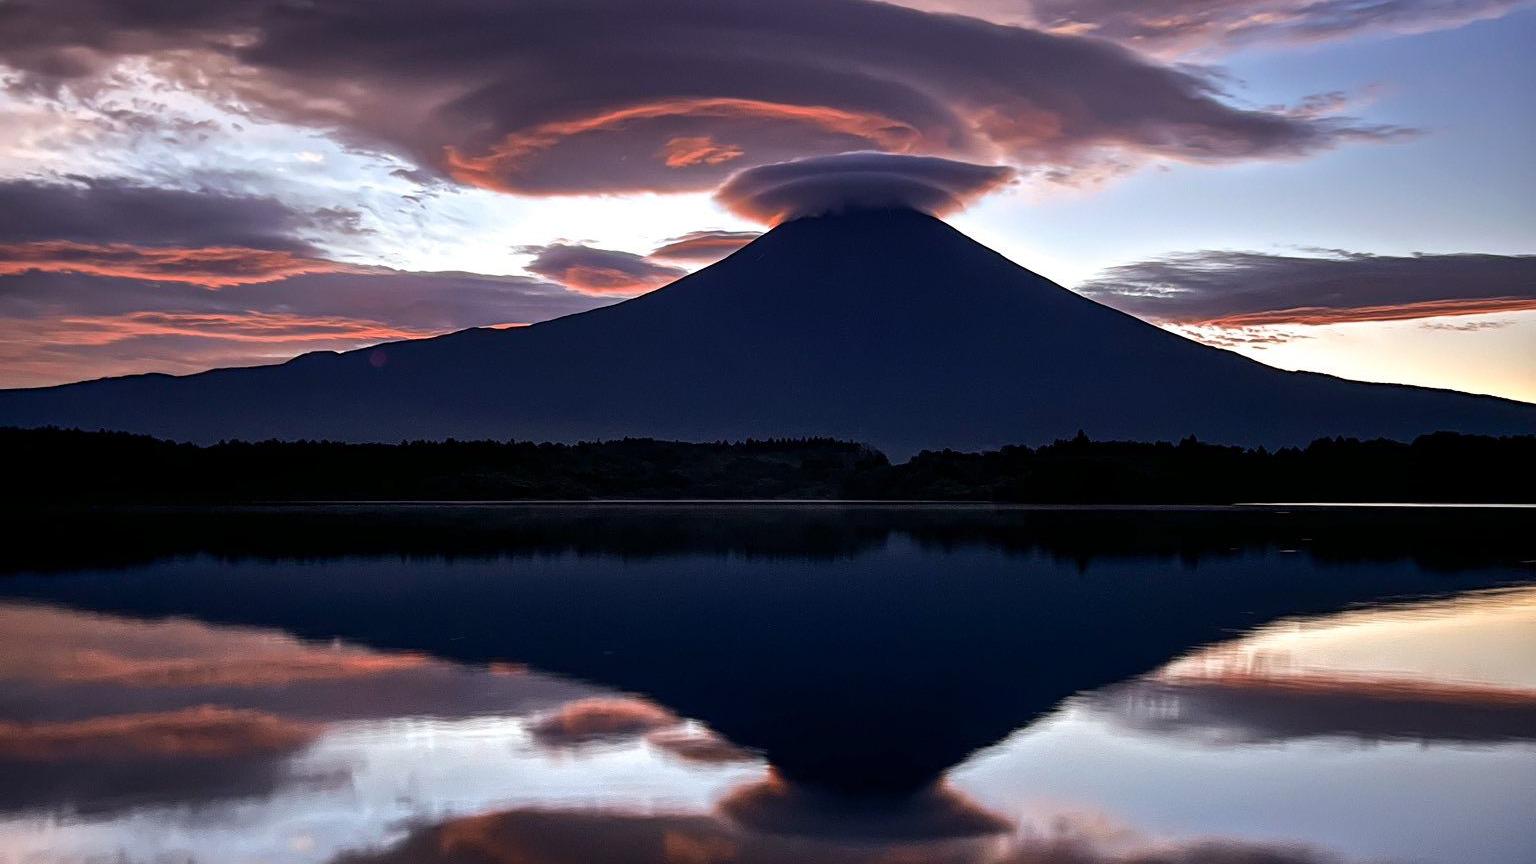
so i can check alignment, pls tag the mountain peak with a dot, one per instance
(885, 326)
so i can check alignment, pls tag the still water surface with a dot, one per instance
(659, 684)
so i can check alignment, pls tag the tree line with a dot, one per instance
(72, 466)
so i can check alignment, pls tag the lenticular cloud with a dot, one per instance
(858, 181)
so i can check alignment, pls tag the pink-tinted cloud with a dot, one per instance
(600, 719)
(698, 149)
(600, 272)
(58, 647)
(209, 266)
(1241, 290)
(258, 327)
(206, 731)
(616, 719)
(512, 164)
(759, 82)
(704, 247)
(855, 181)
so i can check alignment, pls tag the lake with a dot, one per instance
(701, 683)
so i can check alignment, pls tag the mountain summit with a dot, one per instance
(888, 327)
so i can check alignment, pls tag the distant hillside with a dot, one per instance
(888, 327)
(72, 467)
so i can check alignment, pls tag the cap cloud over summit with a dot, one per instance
(858, 181)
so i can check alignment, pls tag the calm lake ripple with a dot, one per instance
(724, 683)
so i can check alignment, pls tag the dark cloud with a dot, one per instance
(575, 96)
(705, 247)
(1250, 289)
(1206, 26)
(103, 211)
(600, 272)
(858, 181)
(1245, 709)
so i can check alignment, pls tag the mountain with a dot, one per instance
(887, 327)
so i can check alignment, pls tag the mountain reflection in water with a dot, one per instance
(768, 684)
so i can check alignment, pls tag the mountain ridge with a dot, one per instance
(889, 327)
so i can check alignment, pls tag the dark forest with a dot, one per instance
(66, 466)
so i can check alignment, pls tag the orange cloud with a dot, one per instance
(1316, 315)
(507, 159)
(206, 731)
(209, 266)
(698, 150)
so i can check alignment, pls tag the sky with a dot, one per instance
(1345, 186)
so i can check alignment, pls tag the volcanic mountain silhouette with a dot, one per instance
(887, 327)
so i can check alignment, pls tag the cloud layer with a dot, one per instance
(539, 836)
(1250, 289)
(1173, 27)
(688, 91)
(600, 720)
(1245, 708)
(599, 272)
(111, 278)
(858, 181)
(702, 247)
(107, 210)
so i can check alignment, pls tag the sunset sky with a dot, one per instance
(1345, 186)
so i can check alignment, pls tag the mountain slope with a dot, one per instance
(886, 327)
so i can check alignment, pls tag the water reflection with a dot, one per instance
(1462, 671)
(954, 689)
